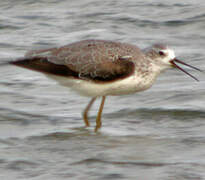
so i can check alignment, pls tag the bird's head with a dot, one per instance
(164, 57)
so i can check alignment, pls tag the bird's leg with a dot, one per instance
(98, 119)
(85, 113)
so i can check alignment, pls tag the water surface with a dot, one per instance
(156, 134)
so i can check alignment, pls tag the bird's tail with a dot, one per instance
(40, 64)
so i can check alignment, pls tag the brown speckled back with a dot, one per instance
(95, 58)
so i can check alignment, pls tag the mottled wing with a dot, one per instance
(92, 59)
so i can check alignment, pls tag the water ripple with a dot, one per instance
(182, 114)
(130, 163)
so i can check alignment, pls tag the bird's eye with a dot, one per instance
(161, 53)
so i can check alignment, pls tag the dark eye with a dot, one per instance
(161, 53)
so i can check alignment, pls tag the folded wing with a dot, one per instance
(90, 59)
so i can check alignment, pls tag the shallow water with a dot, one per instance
(156, 134)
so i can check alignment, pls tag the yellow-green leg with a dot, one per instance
(85, 113)
(98, 119)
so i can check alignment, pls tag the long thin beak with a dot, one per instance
(175, 60)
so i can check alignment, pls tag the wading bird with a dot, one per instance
(100, 68)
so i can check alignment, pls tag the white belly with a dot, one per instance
(88, 88)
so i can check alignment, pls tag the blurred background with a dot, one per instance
(157, 134)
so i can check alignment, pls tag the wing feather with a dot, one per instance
(92, 59)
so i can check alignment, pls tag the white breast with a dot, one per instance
(128, 85)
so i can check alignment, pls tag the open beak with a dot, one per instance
(175, 60)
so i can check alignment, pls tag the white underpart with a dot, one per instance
(128, 85)
(169, 56)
